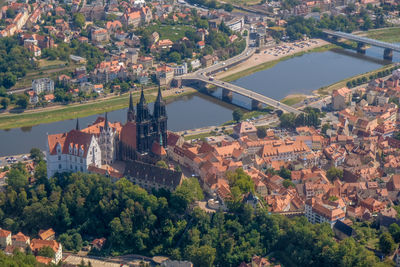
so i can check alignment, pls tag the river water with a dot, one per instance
(302, 74)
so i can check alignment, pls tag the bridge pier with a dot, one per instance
(255, 105)
(361, 48)
(227, 95)
(388, 54)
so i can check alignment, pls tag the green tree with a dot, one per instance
(285, 173)
(162, 164)
(394, 230)
(79, 20)
(237, 115)
(261, 132)
(46, 251)
(22, 101)
(203, 256)
(36, 155)
(5, 102)
(174, 57)
(288, 183)
(386, 243)
(334, 173)
(17, 179)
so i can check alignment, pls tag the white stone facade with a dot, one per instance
(75, 160)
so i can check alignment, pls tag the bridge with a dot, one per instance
(228, 89)
(362, 41)
(204, 76)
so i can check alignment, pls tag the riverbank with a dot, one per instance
(263, 60)
(326, 90)
(77, 110)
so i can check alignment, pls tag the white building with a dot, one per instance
(318, 212)
(195, 64)
(71, 152)
(179, 69)
(43, 85)
(78, 149)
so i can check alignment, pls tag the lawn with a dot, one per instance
(242, 2)
(390, 35)
(293, 99)
(172, 32)
(328, 89)
(43, 63)
(72, 111)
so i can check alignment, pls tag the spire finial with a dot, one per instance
(142, 99)
(159, 96)
(106, 121)
(77, 124)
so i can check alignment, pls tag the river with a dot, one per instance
(302, 74)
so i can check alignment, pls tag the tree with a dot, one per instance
(285, 173)
(287, 183)
(203, 256)
(46, 251)
(325, 128)
(228, 7)
(334, 173)
(162, 164)
(5, 102)
(394, 230)
(17, 179)
(188, 192)
(79, 20)
(261, 132)
(22, 101)
(237, 115)
(174, 57)
(287, 120)
(36, 155)
(386, 243)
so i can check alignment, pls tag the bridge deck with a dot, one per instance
(250, 94)
(365, 40)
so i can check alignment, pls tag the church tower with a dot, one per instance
(107, 140)
(160, 120)
(131, 110)
(143, 125)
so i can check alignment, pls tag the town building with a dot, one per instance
(43, 85)
(318, 212)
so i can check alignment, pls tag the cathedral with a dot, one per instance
(143, 138)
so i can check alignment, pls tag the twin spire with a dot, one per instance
(142, 103)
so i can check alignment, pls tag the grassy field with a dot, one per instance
(390, 35)
(49, 73)
(43, 63)
(172, 32)
(328, 89)
(242, 2)
(198, 136)
(293, 99)
(76, 110)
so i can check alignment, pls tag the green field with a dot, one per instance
(242, 2)
(328, 89)
(292, 100)
(390, 35)
(75, 110)
(43, 63)
(172, 32)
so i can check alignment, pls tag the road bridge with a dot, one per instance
(362, 41)
(256, 99)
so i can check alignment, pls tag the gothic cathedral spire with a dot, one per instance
(77, 124)
(131, 110)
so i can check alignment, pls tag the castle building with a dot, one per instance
(142, 138)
